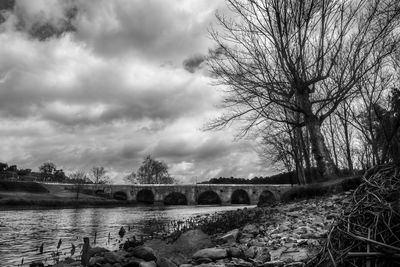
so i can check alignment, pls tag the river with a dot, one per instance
(22, 232)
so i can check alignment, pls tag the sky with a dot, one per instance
(105, 83)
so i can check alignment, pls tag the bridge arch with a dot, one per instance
(208, 197)
(175, 198)
(266, 197)
(145, 196)
(120, 195)
(99, 192)
(240, 196)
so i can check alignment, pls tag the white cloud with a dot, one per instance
(114, 91)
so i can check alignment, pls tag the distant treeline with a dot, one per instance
(47, 173)
(281, 178)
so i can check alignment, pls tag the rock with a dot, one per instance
(144, 252)
(274, 264)
(295, 264)
(245, 240)
(36, 264)
(241, 263)
(236, 252)
(178, 259)
(148, 264)
(111, 257)
(202, 260)
(295, 255)
(185, 265)
(132, 264)
(250, 228)
(164, 262)
(257, 243)
(313, 242)
(263, 255)
(64, 264)
(212, 253)
(96, 260)
(192, 241)
(97, 251)
(230, 237)
(250, 253)
(132, 243)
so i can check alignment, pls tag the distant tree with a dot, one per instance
(47, 170)
(24, 172)
(79, 178)
(153, 172)
(99, 175)
(3, 166)
(131, 178)
(59, 176)
(12, 168)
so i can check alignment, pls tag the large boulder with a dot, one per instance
(36, 264)
(164, 262)
(263, 255)
(212, 253)
(229, 237)
(236, 252)
(251, 229)
(295, 255)
(96, 260)
(144, 253)
(192, 241)
(97, 251)
(111, 257)
(147, 264)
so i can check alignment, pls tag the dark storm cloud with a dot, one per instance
(193, 63)
(158, 29)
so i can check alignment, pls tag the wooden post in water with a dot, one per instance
(85, 251)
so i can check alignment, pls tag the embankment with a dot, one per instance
(21, 195)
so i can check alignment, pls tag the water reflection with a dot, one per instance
(22, 232)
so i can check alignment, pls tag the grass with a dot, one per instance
(15, 194)
(17, 186)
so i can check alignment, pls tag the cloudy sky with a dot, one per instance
(86, 83)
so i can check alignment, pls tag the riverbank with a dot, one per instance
(31, 195)
(280, 235)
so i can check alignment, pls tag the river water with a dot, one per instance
(22, 232)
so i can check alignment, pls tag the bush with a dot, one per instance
(305, 192)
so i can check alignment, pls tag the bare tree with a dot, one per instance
(132, 178)
(79, 178)
(99, 175)
(301, 56)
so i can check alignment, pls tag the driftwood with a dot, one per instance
(368, 231)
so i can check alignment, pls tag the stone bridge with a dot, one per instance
(200, 194)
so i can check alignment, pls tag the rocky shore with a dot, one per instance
(284, 235)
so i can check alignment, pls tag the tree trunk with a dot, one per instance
(333, 140)
(306, 157)
(347, 139)
(325, 165)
